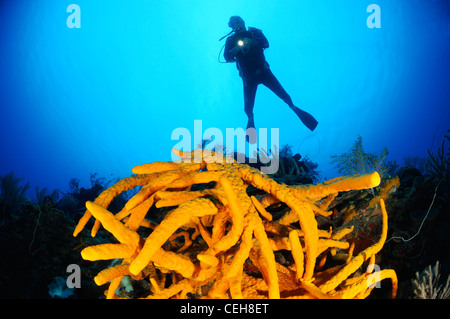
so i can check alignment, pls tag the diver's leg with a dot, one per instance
(250, 87)
(249, 100)
(270, 81)
(274, 85)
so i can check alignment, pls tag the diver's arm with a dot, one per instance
(230, 52)
(260, 39)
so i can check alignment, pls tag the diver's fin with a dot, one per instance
(307, 119)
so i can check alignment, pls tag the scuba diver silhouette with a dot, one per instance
(246, 48)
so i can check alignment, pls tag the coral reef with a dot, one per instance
(230, 238)
(419, 219)
(293, 169)
(38, 247)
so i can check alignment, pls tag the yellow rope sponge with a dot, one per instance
(230, 238)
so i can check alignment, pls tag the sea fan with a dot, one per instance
(12, 194)
(357, 161)
(438, 165)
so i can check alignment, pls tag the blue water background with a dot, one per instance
(107, 96)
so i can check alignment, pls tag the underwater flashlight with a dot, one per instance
(240, 43)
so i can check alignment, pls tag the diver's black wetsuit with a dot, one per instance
(253, 67)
